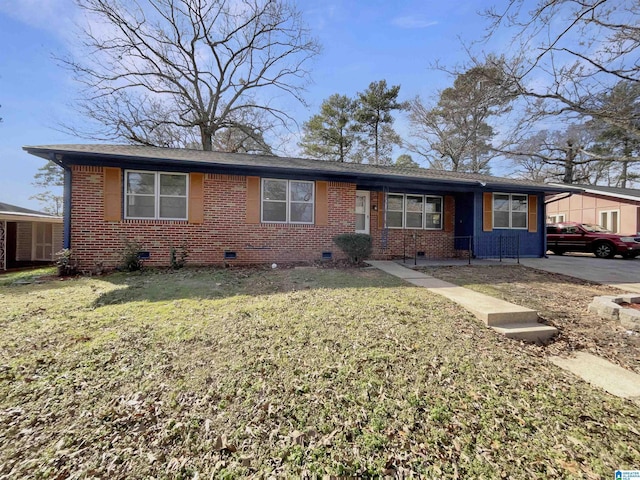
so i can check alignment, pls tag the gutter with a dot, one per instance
(557, 199)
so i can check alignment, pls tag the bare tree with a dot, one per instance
(161, 72)
(455, 133)
(557, 156)
(565, 54)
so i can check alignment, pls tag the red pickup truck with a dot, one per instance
(586, 237)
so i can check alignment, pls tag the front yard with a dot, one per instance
(561, 301)
(285, 373)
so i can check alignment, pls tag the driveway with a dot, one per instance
(624, 274)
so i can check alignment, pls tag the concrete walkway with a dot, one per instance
(506, 318)
(594, 370)
(617, 272)
(602, 373)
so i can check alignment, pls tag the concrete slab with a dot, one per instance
(529, 332)
(602, 373)
(617, 272)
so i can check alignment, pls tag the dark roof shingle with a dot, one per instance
(265, 161)
(8, 208)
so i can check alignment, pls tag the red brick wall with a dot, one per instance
(95, 240)
(399, 242)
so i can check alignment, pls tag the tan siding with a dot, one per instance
(24, 241)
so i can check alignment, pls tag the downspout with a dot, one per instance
(67, 208)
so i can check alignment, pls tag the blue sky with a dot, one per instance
(362, 40)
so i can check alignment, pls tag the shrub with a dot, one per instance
(67, 264)
(357, 246)
(130, 256)
(178, 258)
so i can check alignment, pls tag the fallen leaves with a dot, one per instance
(357, 376)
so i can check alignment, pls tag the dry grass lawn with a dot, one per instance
(284, 373)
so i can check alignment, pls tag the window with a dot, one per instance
(156, 195)
(610, 220)
(414, 211)
(510, 210)
(557, 218)
(395, 207)
(433, 217)
(42, 241)
(287, 201)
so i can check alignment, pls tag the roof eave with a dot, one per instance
(610, 194)
(66, 158)
(16, 216)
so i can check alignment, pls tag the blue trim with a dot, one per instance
(67, 208)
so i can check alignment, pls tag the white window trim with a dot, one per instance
(288, 202)
(441, 212)
(609, 212)
(396, 211)
(424, 212)
(510, 227)
(156, 195)
(406, 211)
(557, 218)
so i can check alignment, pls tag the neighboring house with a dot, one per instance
(616, 209)
(241, 208)
(28, 237)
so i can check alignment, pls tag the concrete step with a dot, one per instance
(527, 332)
(511, 320)
(492, 311)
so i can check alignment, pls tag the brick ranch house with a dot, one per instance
(243, 209)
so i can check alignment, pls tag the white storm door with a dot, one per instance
(362, 211)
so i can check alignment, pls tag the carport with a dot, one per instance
(27, 237)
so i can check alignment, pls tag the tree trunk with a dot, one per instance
(625, 164)
(206, 137)
(568, 164)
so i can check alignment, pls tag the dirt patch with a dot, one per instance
(560, 301)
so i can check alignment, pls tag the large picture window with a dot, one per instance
(156, 195)
(414, 211)
(287, 201)
(510, 210)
